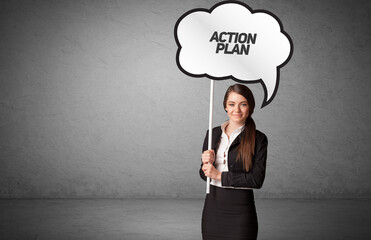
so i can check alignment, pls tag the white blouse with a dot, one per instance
(221, 158)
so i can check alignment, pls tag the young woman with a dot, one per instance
(236, 164)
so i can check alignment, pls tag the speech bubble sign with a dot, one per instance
(232, 41)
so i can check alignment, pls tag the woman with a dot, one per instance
(237, 167)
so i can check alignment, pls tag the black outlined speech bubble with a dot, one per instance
(233, 41)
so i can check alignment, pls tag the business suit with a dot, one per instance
(228, 212)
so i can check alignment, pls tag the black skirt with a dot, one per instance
(229, 214)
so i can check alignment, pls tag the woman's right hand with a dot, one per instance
(208, 156)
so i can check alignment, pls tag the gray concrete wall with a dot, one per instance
(92, 103)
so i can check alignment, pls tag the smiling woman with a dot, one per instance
(236, 164)
(237, 108)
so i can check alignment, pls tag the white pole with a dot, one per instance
(210, 127)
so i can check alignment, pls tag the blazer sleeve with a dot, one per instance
(255, 177)
(204, 148)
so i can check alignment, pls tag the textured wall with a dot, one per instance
(92, 103)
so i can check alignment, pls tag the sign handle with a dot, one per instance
(210, 127)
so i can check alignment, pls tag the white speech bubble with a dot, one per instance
(232, 41)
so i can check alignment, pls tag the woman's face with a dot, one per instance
(237, 108)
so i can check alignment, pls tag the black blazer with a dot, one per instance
(236, 176)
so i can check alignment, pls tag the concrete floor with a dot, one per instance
(138, 219)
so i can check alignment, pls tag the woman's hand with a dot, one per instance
(208, 156)
(211, 172)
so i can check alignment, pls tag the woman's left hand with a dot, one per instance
(211, 172)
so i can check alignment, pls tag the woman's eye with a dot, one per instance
(231, 104)
(244, 105)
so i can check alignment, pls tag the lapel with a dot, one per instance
(237, 140)
(217, 133)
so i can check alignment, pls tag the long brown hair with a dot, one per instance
(246, 150)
